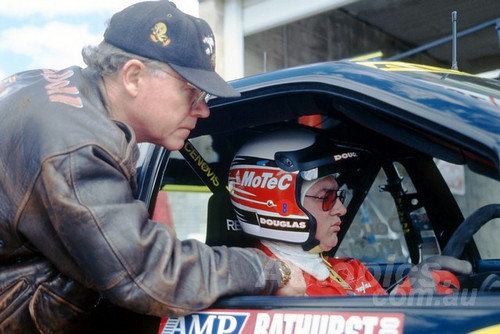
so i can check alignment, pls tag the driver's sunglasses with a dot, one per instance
(330, 198)
(202, 96)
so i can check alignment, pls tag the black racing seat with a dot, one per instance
(222, 226)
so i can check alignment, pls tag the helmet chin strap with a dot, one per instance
(312, 247)
(315, 250)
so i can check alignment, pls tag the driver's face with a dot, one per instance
(328, 222)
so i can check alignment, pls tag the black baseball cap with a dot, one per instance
(158, 30)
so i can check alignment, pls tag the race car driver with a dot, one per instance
(284, 190)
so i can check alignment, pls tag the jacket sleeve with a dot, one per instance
(83, 216)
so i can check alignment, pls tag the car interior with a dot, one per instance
(400, 208)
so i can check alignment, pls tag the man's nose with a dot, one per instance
(201, 110)
(338, 209)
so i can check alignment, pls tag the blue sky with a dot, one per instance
(51, 33)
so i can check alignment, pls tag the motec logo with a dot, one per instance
(266, 180)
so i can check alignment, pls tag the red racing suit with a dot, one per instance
(349, 276)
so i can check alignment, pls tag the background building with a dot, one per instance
(264, 35)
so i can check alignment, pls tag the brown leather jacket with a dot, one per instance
(70, 228)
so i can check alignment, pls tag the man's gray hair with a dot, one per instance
(107, 59)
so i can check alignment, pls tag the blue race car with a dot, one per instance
(433, 188)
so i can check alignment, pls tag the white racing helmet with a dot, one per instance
(266, 176)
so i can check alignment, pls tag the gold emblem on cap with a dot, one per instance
(159, 34)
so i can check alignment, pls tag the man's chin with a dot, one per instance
(329, 247)
(173, 145)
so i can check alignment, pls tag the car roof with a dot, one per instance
(449, 114)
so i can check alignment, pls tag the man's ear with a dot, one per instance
(132, 72)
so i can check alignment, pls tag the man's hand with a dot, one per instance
(296, 286)
(435, 275)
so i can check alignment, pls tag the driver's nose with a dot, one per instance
(338, 209)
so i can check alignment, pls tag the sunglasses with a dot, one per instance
(330, 198)
(201, 96)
